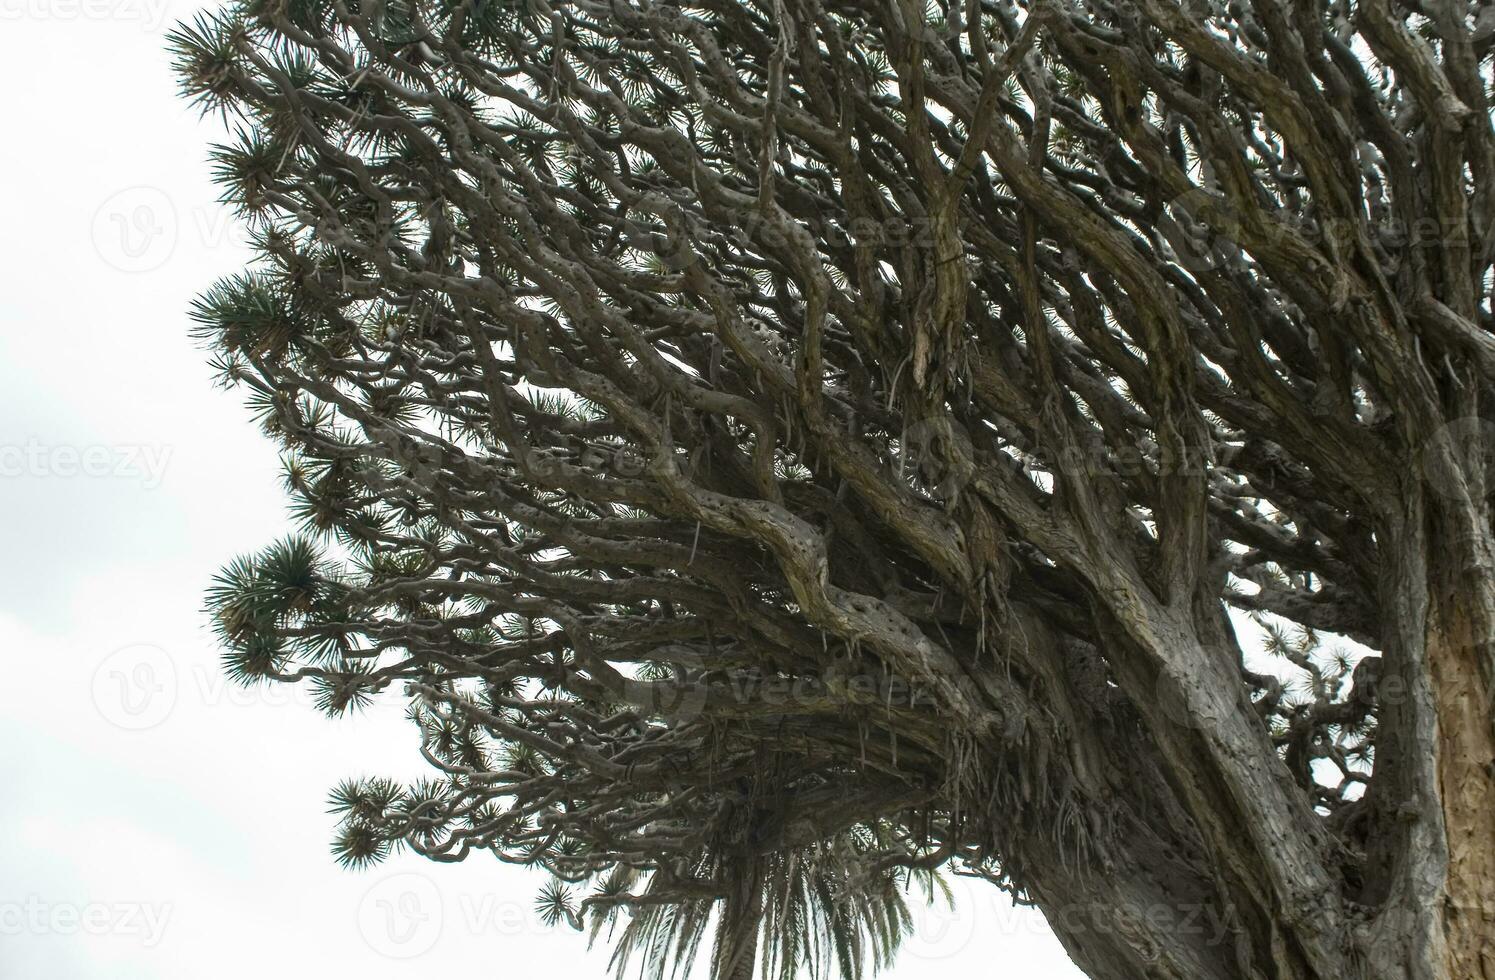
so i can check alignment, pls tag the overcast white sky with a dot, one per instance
(157, 824)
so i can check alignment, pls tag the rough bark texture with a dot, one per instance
(813, 442)
(1460, 648)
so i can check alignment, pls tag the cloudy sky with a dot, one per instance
(160, 825)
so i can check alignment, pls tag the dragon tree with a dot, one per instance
(784, 451)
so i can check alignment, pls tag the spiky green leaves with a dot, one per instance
(378, 816)
(359, 846)
(290, 573)
(312, 16)
(248, 313)
(249, 169)
(282, 601)
(395, 22)
(366, 806)
(489, 26)
(554, 905)
(204, 55)
(338, 692)
(812, 912)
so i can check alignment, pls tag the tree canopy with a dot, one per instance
(785, 448)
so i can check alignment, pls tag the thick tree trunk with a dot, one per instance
(1219, 869)
(1183, 886)
(1460, 648)
(1172, 903)
(1152, 911)
(1466, 758)
(1430, 870)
